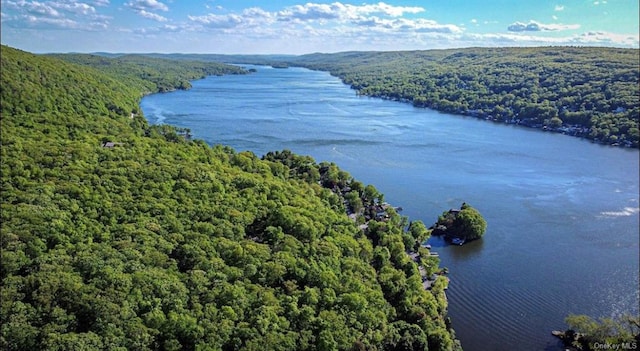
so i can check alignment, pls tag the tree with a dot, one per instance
(419, 232)
(587, 333)
(465, 223)
(469, 224)
(554, 122)
(407, 337)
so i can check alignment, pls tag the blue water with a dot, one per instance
(562, 213)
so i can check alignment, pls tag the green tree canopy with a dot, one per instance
(466, 223)
(119, 235)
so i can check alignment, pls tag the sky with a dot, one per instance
(307, 26)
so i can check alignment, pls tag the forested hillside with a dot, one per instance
(153, 73)
(587, 92)
(117, 235)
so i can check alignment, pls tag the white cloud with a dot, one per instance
(77, 7)
(335, 16)
(342, 12)
(559, 8)
(386, 9)
(145, 9)
(321, 27)
(607, 38)
(428, 26)
(146, 5)
(538, 38)
(63, 14)
(34, 8)
(559, 27)
(152, 16)
(310, 12)
(218, 21)
(534, 26)
(62, 23)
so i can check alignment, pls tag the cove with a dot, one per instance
(562, 212)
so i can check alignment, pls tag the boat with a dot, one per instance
(457, 241)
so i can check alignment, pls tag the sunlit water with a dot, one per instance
(562, 213)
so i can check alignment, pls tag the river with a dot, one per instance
(562, 213)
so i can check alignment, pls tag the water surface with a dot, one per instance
(562, 212)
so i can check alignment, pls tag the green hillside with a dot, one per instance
(117, 235)
(153, 74)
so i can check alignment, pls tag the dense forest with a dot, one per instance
(118, 235)
(587, 92)
(155, 75)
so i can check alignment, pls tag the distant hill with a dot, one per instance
(118, 235)
(157, 75)
(222, 58)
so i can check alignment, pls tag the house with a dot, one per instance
(111, 144)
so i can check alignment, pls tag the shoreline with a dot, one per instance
(576, 131)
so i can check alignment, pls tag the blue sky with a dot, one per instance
(299, 27)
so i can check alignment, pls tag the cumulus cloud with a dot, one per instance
(380, 16)
(250, 17)
(147, 5)
(534, 26)
(406, 25)
(58, 22)
(592, 38)
(307, 13)
(218, 21)
(78, 7)
(145, 9)
(524, 27)
(340, 11)
(366, 26)
(386, 9)
(33, 8)
(151, 15)
(66, 14)
(311, 12)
